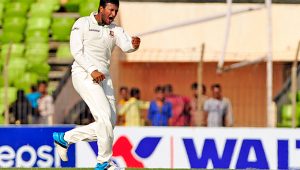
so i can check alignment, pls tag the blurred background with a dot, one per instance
(242, 53)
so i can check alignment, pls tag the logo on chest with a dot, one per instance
(112, 34)
(94, 30)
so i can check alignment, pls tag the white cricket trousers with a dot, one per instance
(101, 101)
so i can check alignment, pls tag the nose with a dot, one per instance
(114, 13)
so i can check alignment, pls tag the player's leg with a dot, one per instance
(82, 133)
(62, 140)
(109, 92)
(85, 87)
(93, 94)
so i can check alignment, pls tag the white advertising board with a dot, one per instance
(186, 147)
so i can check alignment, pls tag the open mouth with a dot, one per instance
(111, 19)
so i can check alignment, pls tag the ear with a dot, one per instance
(101, 9)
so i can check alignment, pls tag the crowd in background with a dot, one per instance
(165, 109)
(170, 109)
(34, 108)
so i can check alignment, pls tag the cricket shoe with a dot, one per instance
(108, 166)
(61, 145)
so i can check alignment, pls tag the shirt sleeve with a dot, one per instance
(150, 111)
(229, 113)
(144, 104)
(123, 40)
(125, 108)
(206, 106)
(170, 110)
(76, 46)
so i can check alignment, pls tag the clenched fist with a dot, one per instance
(97, 76)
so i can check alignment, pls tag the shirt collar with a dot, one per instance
(92, 16)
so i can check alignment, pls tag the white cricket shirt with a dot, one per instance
(91, 44)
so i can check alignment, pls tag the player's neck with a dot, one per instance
(98, 19)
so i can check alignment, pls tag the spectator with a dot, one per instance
(123, 99)
(21, 109)
(45, 104)
(132, 108)
(180, 107)
(218, 109)
(196, 116)
(160, 110)
(33, 97)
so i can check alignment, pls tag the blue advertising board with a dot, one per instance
(32, 146)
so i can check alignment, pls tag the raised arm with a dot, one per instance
(125, 42)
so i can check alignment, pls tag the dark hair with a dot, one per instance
(43, 82)
(33, 88)
(103, 3)
(158, 89)
(216, 85)
(134, 92)
(123, 88)
(20, 93)
(168, 88)
(194, 86)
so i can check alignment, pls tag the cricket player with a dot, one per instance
(92, 41)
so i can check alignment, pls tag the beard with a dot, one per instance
(106, 19)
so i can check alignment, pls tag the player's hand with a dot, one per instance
(136, 42)
(97, 76)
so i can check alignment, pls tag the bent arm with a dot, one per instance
(76, 46)
(144, 105)
(124, 41)
(125, 108)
